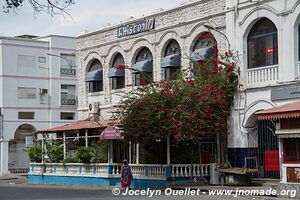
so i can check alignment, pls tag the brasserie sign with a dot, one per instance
(137, 27)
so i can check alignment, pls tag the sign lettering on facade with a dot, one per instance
(286, 93)
(137, 27)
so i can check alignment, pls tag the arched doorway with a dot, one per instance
(18, 160)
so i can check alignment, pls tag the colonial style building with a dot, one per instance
(266, 34)
(38, 91)
(158, 44)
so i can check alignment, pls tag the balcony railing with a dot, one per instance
(262, 76)
(68, 101)
(68, 71)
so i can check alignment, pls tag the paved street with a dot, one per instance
(18, 189)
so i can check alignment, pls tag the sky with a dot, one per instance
(87, 15)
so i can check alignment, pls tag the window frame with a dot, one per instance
(255, 39)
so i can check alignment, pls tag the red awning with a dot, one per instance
(77, 126)
(287, 111)
(110, 133)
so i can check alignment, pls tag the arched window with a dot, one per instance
(94, 77)
(117, 74)
(204, 47)
(171, 62)
(262, 44)
(144, 64)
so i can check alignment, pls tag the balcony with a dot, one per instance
(68, 101)
(263, 76)
(67, 72)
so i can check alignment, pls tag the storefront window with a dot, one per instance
(292, 150)
(262, 44)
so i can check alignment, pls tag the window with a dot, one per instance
(25, 61)
(172, 60)
(67, 61)
(118, 82)
(68, 96)
(292, 150)
(262, 44)
(145, 58)
(42, 59)
(25, 115)
(26, 93)
(95, 85)
(67, 64)
(67, 116)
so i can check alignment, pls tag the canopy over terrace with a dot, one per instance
(287, 111)
(94, 127)
(289, 116)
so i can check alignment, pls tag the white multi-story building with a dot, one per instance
(266, 34)
(38, 91)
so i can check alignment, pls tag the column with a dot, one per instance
(218, 148)
(86, 138)
(4, 157)
(111, 152)
(137, 153)
(168, 151)
(64, 144)
(283, 173)
(129, 156)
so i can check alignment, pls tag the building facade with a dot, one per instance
(266, 35)
(38, 91)
(159, 45)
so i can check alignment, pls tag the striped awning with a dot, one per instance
(143, 66)
(287, 111)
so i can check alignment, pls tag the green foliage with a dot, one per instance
(85, 154)
(56, 153)
(193, 107)
(70, 159)
(100, 153)
(35, 153)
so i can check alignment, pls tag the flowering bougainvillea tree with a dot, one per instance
(193, 107)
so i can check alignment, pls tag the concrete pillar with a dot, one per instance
(4, 157)
(282, 175)
(218, 149)
(168, 151)
(137, 153)
(110, 151)
(86, 138)
(130, 159)
(64, 145)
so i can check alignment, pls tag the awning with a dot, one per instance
(143, 66)
(171, 61)
(202, 53)
(288, 133)
(77, 126)
(287, 111)
(96, 75)
(110, 133)
(113, 72)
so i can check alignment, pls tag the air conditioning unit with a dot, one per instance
(94, 108)
(43, 91)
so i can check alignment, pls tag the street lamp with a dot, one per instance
(209, 27)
